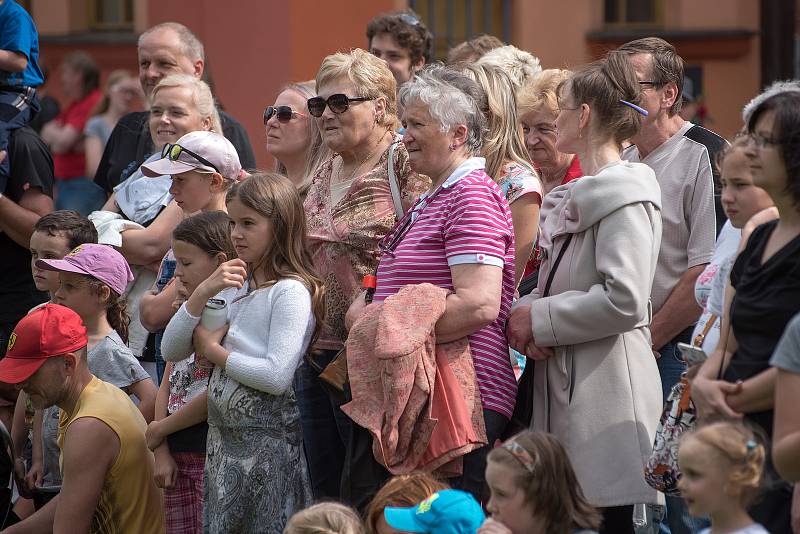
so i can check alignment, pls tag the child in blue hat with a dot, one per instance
(445, 512)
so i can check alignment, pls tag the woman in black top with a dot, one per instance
(766, 283)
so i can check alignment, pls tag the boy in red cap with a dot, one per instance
(107, 468)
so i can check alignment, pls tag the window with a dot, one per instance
(452, 22)
(111, 14)
(633, 12)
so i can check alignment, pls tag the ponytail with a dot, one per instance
(116, 308)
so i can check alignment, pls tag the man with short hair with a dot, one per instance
(107, 469)
(402, 40)
(168, 48)
(682, 156)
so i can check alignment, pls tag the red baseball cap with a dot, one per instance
(51, 330)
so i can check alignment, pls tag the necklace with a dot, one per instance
(342, 183)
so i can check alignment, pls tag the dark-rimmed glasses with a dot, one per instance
(761, 141)
(650, 83)
(173, 151)
(284, 113)
(339, 103)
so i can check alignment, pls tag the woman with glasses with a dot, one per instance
(460, 237)
(586, 326)
(293, 138)
(538, 109)
(766, 294)
(354, 199)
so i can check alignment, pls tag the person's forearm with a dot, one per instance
(60, 138)
(193, 412)
(786, 455)
(36, 438)
(19, 429)
(11, 61)
(18, 222)
(111, 204)
(464, 317)
(155, 311)
(679, 311)
(146, 392)
(41, 522)
(757, 393)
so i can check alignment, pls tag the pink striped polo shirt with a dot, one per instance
(467, 221)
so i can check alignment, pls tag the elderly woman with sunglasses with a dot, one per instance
(460, 237)
(350, 208)
(293, 138)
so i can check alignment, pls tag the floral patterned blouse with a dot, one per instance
(343, 239)
(516, 181)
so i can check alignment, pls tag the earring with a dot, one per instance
(452, 147)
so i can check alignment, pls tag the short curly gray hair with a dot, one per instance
(452, 99)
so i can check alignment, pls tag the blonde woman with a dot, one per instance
(507, 160)
(293, 138)
(349, 207)
(538, 109)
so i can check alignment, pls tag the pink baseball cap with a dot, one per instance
(182, 156)
(98, 261)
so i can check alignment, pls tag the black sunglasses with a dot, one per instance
(339, 103)
(284, 113)
(173, 152)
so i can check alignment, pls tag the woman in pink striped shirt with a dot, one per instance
(458, 236)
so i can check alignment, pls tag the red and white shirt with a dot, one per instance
(466, 221)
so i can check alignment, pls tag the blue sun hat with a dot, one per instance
(444, 512)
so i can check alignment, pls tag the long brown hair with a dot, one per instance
(275, 197)
(210, 231)
(550, 484)
(116, 307)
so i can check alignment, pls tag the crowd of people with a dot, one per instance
(465, 300)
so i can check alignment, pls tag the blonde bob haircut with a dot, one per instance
(201, 96)
(541, 93)
(370, 76)
(503, 142)
(325, 518)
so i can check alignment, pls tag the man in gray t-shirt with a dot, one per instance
(681, 155)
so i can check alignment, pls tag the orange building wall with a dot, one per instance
(556, 33)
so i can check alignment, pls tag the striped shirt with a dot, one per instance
(466, 221)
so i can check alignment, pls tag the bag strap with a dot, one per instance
(699, 338)
(554, 268)
(393, 185)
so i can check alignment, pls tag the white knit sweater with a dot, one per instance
(270, 330)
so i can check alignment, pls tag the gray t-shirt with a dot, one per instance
(684, 173)
(97, 126)
(111, 361)
(787, 353)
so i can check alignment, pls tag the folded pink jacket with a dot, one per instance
(419, 400)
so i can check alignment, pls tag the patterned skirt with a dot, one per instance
(256, 476)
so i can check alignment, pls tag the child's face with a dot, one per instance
(74, 293)
(192, 190)
(740, 198)
(704, 482)
(507, 503)
(192, 265)
(251, 232)
(47, 247)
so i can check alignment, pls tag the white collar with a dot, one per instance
(471, 164)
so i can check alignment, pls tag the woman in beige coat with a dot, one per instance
(597, 386)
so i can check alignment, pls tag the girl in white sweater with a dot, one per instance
(256, 476)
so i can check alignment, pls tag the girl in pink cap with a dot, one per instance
(92, 280)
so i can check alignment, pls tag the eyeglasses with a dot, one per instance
(284, 113)
(761, 141)
(173, 153)
(650, 83)
(339, 103)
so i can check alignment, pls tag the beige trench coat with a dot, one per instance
(601, 392)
